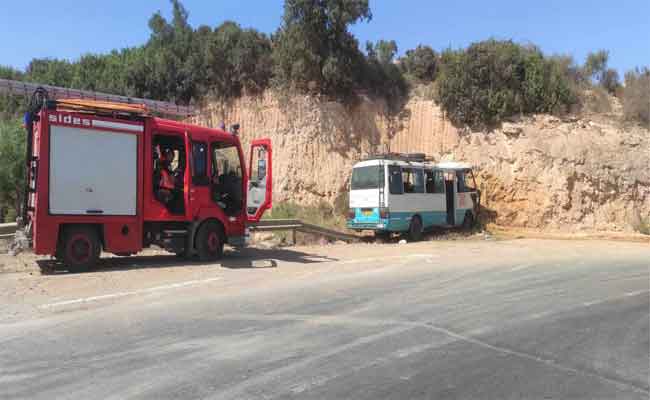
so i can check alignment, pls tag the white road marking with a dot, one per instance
(521, 267)
(131, 293)
(378, 259)
(638, 292)
(614, 298)
(196, 282)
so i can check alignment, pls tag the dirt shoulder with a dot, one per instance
(504, 232)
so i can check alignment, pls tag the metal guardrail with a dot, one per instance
(7, 230)
(299, 226)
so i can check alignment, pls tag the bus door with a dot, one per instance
(450, 190)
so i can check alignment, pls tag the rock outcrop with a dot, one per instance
(542, 172)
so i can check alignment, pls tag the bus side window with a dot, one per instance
(460, 177)
(395, 179)
(418, 181)
(439, 182)
(430, 181)
(413, 180)
(407, 180)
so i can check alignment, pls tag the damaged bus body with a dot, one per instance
(401, 193)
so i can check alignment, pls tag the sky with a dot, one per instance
(69, 28)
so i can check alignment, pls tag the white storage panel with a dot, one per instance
(92, 172)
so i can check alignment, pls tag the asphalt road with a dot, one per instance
(501, 320)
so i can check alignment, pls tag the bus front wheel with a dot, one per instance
(415, 229)
(468, 222)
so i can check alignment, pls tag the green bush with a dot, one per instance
(595, 100)
(10, 105)
(492, 80)
(636, 96)
(178, 63)
(383, 77)
(596, 69)
(322, 214)
(12, 165)
(420, 63)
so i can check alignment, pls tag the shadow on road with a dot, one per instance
(246, 258)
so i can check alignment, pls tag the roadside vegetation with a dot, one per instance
(313, 51)
(322, 214)
(12, 168)
(636, 96)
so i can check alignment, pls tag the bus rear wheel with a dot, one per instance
(382, 236)
(80, 249)
(415, 229)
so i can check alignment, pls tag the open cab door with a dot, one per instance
(260, 180)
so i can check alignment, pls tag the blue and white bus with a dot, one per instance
(406, 194)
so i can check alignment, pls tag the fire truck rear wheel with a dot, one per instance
(81, 248)
(209, 241)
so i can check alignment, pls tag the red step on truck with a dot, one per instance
(105, 176)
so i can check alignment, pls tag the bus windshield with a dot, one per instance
(370, 177)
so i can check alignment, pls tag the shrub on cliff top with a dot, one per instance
(636, 95)
(383, 77)
(492, 80)
(420, 63)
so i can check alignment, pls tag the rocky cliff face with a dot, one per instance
(543, 172)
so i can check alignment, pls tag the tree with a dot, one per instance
(383, 77)
(420, 63)
(492, 80)
(313, 49)
(596, 69)
(50, 71)
(596, 63)
(12, 164)
(9, 105)
(166, 71)
(236, 61)
(609, 80)
(636, 95)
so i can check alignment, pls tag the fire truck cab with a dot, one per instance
(108, 177)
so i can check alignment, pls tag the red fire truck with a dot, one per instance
(105, 176)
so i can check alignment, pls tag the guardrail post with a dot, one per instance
(293, 237)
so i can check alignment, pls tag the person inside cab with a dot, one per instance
(166, 181)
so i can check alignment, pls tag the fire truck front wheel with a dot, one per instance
(209, 241)
(80, 249)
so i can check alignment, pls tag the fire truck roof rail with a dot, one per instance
(19, 88)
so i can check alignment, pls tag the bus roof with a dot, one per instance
(379, 161)
(447, 165)
(453, 165)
